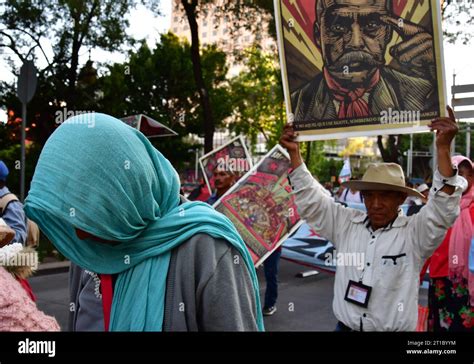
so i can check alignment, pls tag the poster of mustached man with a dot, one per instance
(361, 67)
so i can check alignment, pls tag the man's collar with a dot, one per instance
(399, 221)
(360, 218)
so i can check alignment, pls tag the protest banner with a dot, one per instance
(346, 172)
(308, 248)
(261, 206)
(360, 68)
(232, 156)
(148, 126)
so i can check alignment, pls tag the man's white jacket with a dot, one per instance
(392, 257)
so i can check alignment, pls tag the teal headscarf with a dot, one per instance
(101, 176)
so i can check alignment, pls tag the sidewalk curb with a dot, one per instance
(52, 268)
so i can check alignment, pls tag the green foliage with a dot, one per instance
(11, 156)
(258, 98)
(327, 168)
(69, 23)
(318, 163)
(421, 142)
(160, 84)
(70, 26)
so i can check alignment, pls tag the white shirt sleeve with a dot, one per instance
(429, 226)
(317, 207)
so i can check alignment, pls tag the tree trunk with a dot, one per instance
(81, 27)
(72, 74)
(391, 152)
(190, 9)
(308, 154)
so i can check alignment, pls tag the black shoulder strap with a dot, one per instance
(345, 193)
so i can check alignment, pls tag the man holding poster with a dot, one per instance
(363, 65)
(382, 293)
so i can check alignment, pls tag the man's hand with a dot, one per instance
(416, 49)
(287, 140)
(446, 129)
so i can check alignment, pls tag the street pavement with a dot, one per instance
(52, 295)
(304, 304)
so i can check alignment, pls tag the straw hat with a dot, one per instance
(6, 233)
(383, 177)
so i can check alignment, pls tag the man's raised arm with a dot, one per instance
(446, 129)
(314, 203)
(431, 223)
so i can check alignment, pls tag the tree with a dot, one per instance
(395, 147)
(10, 151)
(191, 10)
(49, 101)
(70, 26)
(258, 98)
(242, 14)
(320, 166)
(458, 17)
(390, 150)
(169, 95)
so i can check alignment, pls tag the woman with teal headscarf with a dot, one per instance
(109, 201)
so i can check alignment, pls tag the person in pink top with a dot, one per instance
(451, 290)
(17, 311)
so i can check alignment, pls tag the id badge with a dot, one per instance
(358, 293)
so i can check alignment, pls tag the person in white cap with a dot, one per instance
(424, 190)
(418, 203)
(383, 294)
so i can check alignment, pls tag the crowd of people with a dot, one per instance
(144, 258)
